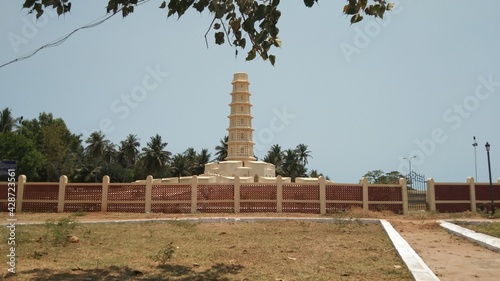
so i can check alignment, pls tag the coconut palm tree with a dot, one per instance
(303, 153)
(202, 158)
(7, 122)
(96, 146)
(155, 157)
(275, 156)
(97, 149)
(221, 150)
(128, 151)
(292, 167)
(180, 165)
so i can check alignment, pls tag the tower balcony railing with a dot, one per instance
(239, 126)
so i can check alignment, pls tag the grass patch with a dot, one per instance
(289, 250)
(489, 228)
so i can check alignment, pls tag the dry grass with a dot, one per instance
(489, 228)
(290, 250)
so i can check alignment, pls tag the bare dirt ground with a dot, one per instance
(448, 256)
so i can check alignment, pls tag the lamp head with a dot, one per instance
(487, 145)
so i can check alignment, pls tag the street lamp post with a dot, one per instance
(21, 126)
(409, 164)
(491, 184)
(409, 161)
(475, 157)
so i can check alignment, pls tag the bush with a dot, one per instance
(58, 231)
(164, 254)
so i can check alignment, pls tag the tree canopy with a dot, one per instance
(379, 177)
(45, 149)
(236, 21)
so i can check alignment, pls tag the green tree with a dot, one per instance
(234, 21)
(202, 158)
(62, 150)
(380, 177)
(275, 157)
(180, 165)
(96, 146)
(99, 152)
(155, 157)
(292, 166)
(19, 148)
(128, 151)
(303, 153)
(221, 149)
(7, 121)
(127, 155)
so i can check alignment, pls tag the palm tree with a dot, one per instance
(275, 156)
(303, 153)
(292, 167)
(221, 150)
(7, 122)
(202, 158)
(96, 145)
(155, 157)
(180, 165)
(128, 151)
(97, 149)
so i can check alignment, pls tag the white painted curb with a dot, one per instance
(484, 240)
(418, 269)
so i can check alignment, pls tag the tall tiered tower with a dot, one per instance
(240, 144)
(239, 160)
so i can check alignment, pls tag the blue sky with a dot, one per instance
(422, 83)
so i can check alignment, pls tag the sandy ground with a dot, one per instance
(448, 256)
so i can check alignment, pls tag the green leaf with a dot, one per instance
(350, 9)
(217, 26)
(29, 3)
(235, 24)
(219, 38)
(390, 6)
(251, 55)
(60, 10)
(272, 59)
(163, 5)
(356, 18)
(309, 3)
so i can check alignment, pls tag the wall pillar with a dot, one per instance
(322, 195)
(237, 194)
(279, 194)
(104, 197)
(472, 192)
(364, 182)
(21, 182)
(431, 195)
(404, 195)
(194, 194)
(149, 188)
(63, 180)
